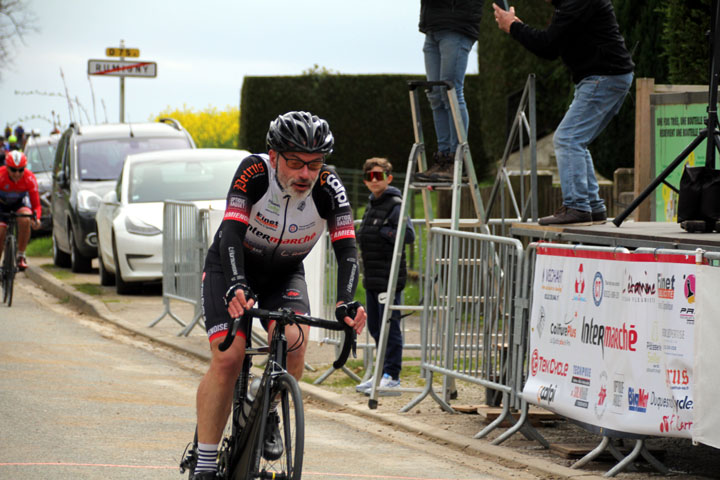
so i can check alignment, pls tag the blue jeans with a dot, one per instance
(446, 58)
(597, 100)
(393, 354)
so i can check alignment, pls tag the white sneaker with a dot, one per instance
(387, 388)
(361, 387)
(387, 382)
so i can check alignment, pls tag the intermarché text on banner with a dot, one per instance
(611, 339)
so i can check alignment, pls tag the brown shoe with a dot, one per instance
(440, 171)
(567, 216)
(599, 217)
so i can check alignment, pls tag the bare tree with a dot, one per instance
(16, 21)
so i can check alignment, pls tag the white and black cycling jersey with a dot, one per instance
(266, 231)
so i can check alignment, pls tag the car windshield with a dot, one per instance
(103, 159)
(40, 158)
(184, 180)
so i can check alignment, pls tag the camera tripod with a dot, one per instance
(709, 133)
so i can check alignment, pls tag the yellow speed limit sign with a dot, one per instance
(122, 52)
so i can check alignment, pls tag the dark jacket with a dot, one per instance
(585, 34)
(376, 238)
(457, 15)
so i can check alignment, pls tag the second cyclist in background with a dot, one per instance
(19, 193)
(277, 208)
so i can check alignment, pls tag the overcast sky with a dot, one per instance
(203, 50)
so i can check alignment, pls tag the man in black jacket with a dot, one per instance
(451, 27)
(585, 34)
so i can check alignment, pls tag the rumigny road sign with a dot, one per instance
(117, 68)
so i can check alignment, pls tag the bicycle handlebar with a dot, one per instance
(18, 215)
(286, 317)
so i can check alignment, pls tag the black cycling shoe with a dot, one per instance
(273, 448)
(205, 476)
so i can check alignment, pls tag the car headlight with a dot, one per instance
(88, 201)
(138, 227)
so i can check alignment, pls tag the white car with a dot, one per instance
(130, 217)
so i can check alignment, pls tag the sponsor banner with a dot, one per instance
(611, 340)
(705, 382)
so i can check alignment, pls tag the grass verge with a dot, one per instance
(39, 247)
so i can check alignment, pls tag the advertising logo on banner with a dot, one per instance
(611, 341)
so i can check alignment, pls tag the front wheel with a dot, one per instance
(9, 269)
(79, 263)
(292, 432)
(107, 279)
(60, 258)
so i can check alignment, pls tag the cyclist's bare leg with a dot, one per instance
(214, 395)
(296, 351)
(23, 224)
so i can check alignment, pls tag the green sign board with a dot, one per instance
(675, 126)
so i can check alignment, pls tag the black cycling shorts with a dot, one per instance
(5, 210)
(287, 290)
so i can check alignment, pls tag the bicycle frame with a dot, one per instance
(247, 456)
(9, 267)
(240, 454)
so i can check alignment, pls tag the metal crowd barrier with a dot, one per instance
(415, 257)
(184, 248)
(414, 254)
(187, 235)
(469, 324)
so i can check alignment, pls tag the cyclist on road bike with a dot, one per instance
(277, 208)
(18, 193)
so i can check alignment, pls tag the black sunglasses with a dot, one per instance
(17, 170)
(379, 176)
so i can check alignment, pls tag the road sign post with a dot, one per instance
(122, 68)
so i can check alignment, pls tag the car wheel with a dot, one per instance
(60, 258)
(121, 286)
(79, 263)
(107, 279)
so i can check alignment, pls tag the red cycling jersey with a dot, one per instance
(13, 194)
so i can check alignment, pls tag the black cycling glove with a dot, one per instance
(230, 294)
(346, 310)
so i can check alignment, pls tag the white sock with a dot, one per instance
(207, 457)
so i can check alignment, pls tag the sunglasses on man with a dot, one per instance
(297, 164)
(17, 170)
(379, 176)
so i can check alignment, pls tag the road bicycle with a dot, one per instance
(242, 454)
(9, 263)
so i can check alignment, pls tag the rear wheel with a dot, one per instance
(79, 263)
(60, 258)
(292, 432)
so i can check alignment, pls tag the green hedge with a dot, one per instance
(369, 115)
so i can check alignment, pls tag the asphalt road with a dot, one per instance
(81, 399)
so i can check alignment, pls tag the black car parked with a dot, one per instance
(88, 161)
